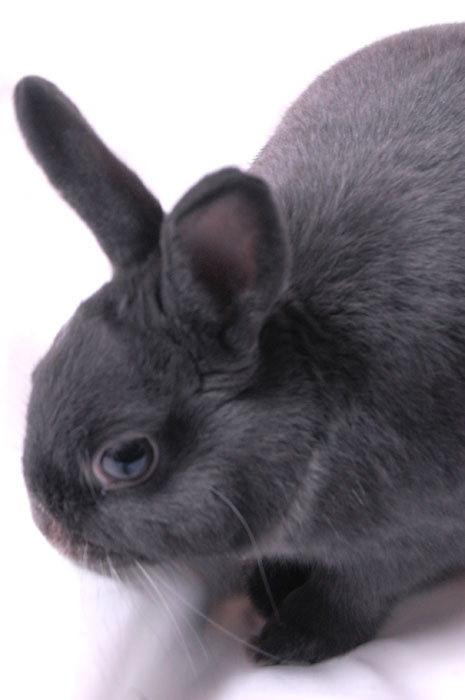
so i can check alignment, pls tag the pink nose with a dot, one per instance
(50, 527)
(81, 552)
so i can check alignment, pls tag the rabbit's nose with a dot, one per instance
(83, 553)
(50, 527)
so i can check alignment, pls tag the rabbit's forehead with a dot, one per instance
(92, 355)
(99, 371)
(123, 323)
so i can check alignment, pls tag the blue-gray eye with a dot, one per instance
(126, 462)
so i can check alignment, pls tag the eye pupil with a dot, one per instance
(127, 461)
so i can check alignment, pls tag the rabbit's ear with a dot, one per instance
(224, 252)
(122, 213)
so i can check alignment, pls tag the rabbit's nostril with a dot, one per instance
(49, 527)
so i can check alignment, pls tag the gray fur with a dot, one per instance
(315, 379)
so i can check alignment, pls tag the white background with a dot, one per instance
(177, 89)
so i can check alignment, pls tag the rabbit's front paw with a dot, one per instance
(281, 643)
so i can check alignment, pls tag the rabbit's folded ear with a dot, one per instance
(224, 253)
(119, 209)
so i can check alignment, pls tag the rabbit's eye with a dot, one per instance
(126, 462)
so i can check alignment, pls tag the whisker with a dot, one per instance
(185, 618)
(257, 554)
(163, 601)
(101, 569)
(113, 572)
(85, 554)
(213, 623)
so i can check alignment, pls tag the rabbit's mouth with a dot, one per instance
(86, 554)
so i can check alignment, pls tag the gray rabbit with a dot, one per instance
(280, 359)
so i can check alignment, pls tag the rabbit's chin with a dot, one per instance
(84, 554)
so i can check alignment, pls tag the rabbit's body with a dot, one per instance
(367, 168)
(283, 359)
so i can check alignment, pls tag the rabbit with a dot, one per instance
(278, 364)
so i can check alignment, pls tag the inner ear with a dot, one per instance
(221, 242)
(224, 252)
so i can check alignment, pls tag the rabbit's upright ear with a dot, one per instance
(122, 213)
(224, 254)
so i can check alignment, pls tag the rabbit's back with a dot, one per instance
(368, 167)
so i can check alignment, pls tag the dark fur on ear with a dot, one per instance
(110, 198)
(225, 254)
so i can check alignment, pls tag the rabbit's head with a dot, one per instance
(163, 417)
